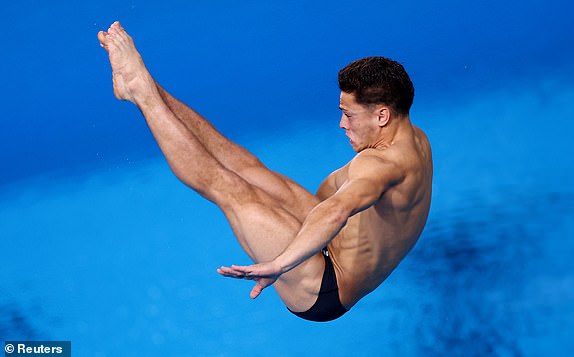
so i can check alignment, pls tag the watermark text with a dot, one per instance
(38, 348)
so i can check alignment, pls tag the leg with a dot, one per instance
(232, 156)
(263, 227)
(237, 159)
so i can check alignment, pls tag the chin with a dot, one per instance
(354, 145)
(357, 147)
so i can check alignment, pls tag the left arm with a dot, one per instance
(369, 177)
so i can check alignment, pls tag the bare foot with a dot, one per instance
(130, 77)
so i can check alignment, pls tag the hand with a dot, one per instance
(264, 274)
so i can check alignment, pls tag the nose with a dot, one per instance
(344, 122)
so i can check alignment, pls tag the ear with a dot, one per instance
(384, 116)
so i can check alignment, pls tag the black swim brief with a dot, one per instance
(328, 306)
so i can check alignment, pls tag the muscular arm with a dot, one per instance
(369, 177)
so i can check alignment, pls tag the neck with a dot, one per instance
(394, 129)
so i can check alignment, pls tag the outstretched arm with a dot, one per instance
(369, 177)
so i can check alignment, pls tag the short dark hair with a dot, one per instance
(378, 80)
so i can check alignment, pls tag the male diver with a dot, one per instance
(323, 252)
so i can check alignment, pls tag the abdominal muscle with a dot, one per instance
(365, 252)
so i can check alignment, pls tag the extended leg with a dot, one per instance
(262, 226)
(231, 155)
(236, 158)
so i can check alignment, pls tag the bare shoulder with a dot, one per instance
(420, 132)
(422, 141)
(412, 151)
(408, 156)
(372, 157)
(375, 163)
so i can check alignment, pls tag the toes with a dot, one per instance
(110, 38)
(114, 28)
(102, 37)
(122, 32)
(118, 32)
(115, 38)
(117, 27)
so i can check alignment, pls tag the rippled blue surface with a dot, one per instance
(102, 246)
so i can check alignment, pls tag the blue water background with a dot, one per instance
(102, 246)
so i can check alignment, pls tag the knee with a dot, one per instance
(234, 192)
(248, 166)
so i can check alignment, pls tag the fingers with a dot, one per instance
(248, 273)
(256, 291)
(234, 272)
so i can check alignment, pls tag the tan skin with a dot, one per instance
(368, 214)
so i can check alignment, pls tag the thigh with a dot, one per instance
(265, 213)
(260, 222)
(264, 229)
(287, 193)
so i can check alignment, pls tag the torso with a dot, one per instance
(374, 241)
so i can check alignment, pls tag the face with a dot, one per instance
(361, 122)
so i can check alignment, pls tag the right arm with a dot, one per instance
(368, 178)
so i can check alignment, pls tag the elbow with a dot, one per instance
(340, 213)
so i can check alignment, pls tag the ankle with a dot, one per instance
(143, 90)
